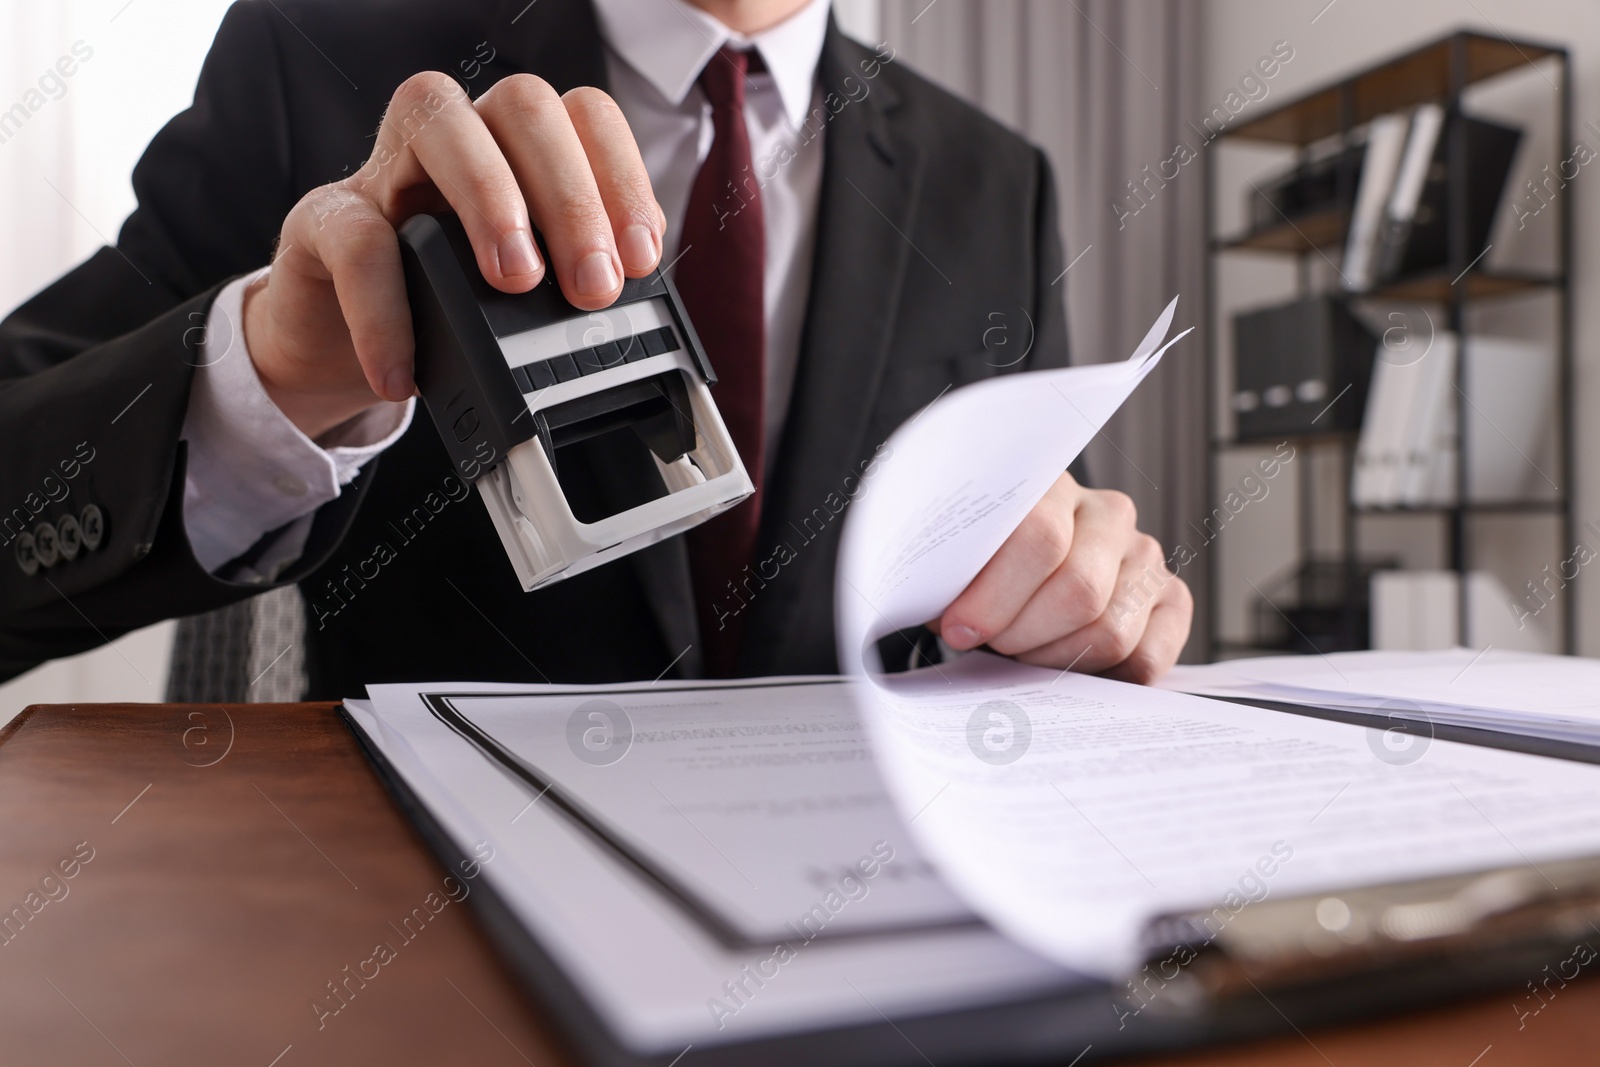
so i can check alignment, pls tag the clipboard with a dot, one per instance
(1253, 980)
(1484, 924)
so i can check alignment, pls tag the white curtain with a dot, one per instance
(37, 236)
(1105, 87)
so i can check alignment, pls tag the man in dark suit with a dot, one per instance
(856, 230)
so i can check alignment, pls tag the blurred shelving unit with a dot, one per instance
(1438, 72)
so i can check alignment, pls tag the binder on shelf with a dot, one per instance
(1381, 449)
(1386, 138)
(1324, 183)
(1416, 233)
(1364, 478)
(1406, 198)
(1409, 448)
(1300, 369)
(1429, 468)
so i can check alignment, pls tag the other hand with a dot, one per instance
(1076, 585)
(329, 329)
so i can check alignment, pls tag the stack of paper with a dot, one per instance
(703, 864)
(725, 862)
(1525, 693)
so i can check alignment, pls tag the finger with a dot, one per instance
(433, 139)
(1142, 582)
(1083, 586)
(1030, 555)
(337, 232)
(1162, 642)
(624, 184)
(532, 127)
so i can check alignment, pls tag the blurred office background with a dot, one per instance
(64, 178)
(1108, 88)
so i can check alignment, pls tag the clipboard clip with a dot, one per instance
(1199, 960)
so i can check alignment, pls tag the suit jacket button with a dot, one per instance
(27, 555)
(91, 526)
(44, 543)
(69, 537)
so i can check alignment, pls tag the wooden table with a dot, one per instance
(239, 858)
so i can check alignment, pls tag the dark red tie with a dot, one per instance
(720, 275)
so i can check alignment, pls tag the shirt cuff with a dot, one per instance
(251, 471)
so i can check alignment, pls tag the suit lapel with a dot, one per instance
(868, 204)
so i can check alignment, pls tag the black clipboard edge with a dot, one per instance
(1379, 719)
(1061, 1029)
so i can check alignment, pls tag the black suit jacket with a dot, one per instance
(936, 234)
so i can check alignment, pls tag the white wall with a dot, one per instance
(860, 19)
(83, 139)
(1331, 40)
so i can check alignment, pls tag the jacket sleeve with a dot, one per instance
(95, 374)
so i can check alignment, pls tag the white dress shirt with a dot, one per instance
(251, 471)
(655, 52)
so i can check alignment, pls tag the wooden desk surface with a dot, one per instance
(241, 857)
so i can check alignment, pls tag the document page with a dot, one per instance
(744, 802)
(656, 973)
(959, 477)
(1069, 810)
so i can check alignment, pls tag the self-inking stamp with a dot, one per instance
(589, 435)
